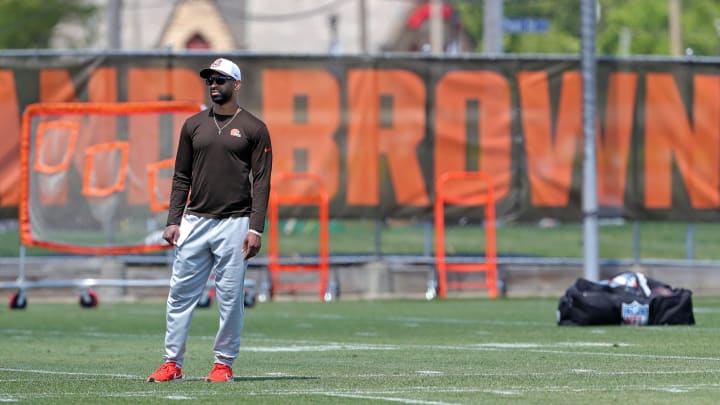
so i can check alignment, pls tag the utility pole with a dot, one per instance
(436, 27)
(674, 8)
(362, 12)
(493, 27)
(588, 66)
(114, 26)
(334, 46)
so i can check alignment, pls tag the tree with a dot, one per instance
(30, 24)
(640, 24)
(561, 37)
(646, 22)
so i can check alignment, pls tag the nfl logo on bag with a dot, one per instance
(635, 313)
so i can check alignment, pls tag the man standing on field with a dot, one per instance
(223, 162)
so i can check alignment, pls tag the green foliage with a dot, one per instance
(562, 36)
(30, 24)
(643, 23)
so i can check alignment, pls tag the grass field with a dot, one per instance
(456, 351)
(658, 240)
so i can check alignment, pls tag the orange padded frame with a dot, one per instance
(119, 108)
(489, 266)
(92, 191)
(153, 169)
(319, 198)
(72, 128)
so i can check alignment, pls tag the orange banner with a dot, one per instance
(379, 133)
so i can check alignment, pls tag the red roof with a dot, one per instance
(422, 13)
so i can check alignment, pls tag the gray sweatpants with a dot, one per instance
(206, 245)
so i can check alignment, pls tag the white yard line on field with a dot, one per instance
(387, 399)
(34, 371)
(525, 345)
(526, 374)
(394, 395)
(639, 356)
(465, 321)
(389, 396)
(644, 372)
(178, 398)
(27, 332)
(318, 348)
(547, 348)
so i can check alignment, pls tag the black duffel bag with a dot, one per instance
(626, 299)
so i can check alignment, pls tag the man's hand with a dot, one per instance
(251, 245)
(171, 234)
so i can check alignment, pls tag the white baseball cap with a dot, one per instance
(224, 66)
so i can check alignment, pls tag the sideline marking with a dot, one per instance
(520, 345)
(373, 394)
(20, 370)
(317, 348)
(503, 392)
(641, 356)
(388, 399)
(673, 390)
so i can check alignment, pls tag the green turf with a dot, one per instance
(457, 351)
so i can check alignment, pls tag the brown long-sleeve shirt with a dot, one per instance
(216, 169)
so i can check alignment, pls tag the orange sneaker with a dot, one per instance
(220, 373)
(169, 371)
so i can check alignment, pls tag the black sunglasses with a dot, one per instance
(220, 80)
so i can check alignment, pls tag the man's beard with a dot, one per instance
(222, 97)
